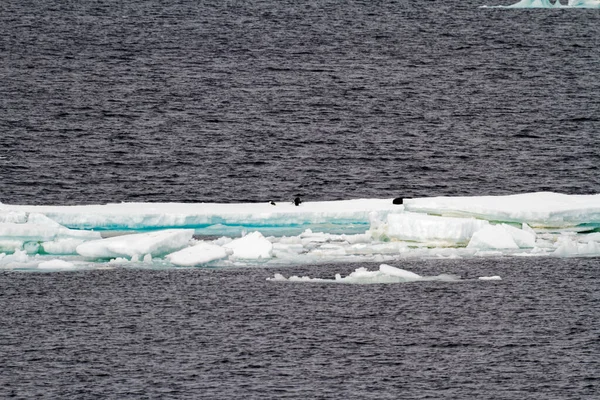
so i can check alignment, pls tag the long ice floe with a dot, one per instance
(385, 274)
(367, 230)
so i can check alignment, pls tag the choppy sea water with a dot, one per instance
(106, 101)
(251, 101)
(229, 333)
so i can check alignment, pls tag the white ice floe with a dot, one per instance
(138, 245)
(490, 278)
(198, 254)
(375, 230)
(252, 246)
(385, 274)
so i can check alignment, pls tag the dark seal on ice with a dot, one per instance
(297, 201)
(398, 200)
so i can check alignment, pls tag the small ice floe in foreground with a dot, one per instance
(490, 278)
(385, 274)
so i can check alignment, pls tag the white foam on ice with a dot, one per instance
(199, 254)
(156, 243)
(385, 274)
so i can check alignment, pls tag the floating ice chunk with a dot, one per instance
(385, 274)
(56, 264)
(401, 273)
(584, 3)
(17, 257)
(201, 253)
(568, 246)
(490, 278)
(421, 227)
(492, 237)
(155, 243)
(252, 246)
(532, 4)
(523, 238)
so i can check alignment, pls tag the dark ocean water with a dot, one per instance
(231, 334)
(107, 101)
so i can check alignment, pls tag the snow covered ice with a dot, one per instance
(349, 231)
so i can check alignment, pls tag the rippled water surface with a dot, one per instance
(230, 101)
(232, 334)
(225, 101)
